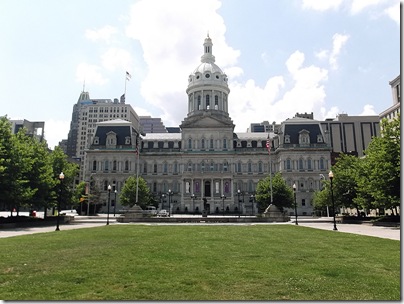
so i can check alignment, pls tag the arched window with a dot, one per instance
(203, 143)
(106, 165)
(165, 168)
(94, 165)
(309, 164)
(216, 102)
(207, 102)
(249, 167)
(260, 167)
(114, 165)
(155, 168)
(301, 164)
(211, 144)
(199, 102)
(126, 165)
(224, 143)
(322, 164)
(239, 167)
(175, 167)
(189, 143)
(288, 164)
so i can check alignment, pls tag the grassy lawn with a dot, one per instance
(258, 262)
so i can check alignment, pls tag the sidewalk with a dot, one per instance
(392, 233)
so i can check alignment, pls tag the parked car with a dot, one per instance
(71, 212)
(150, 210)
(162, 213)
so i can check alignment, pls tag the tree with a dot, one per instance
(63, 189)
(345, 182)
(281, 193)
(128, 193)
(382, 166)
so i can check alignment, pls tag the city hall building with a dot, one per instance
(207, 163)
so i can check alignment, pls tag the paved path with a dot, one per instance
(321, 223)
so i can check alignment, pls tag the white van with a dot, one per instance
(150, 210)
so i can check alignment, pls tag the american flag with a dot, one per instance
(269, 145)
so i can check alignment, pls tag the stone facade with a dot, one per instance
(207, 162)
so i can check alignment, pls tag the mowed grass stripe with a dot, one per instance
(147, 262)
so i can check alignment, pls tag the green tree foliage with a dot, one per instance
(382, 166)
(63, 189)
(128, 193)
(345, 182)
(282, 194)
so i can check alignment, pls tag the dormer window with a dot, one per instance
(287, 139)
(127, 140)
(207, 75)
(96, 140)
(304, 137)
(319, 138)
(111, 140)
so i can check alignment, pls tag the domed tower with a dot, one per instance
(207, 125)
(207, 86)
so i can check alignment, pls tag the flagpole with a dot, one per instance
(126, 79)
(270, 177)
(269, 146)
(137, 172)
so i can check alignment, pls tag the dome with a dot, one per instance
(207, 67)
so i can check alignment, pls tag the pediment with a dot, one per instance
(207, 121)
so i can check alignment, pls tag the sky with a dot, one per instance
(281, 57)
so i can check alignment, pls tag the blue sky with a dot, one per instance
(282, 57)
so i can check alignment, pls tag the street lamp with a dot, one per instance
(170, 193)
(238, 196)
(193, 196)
(115, 201)
(294, 194)
(223, 198)
(162, 197)
(109, 200)
(61, 178)
(331, 176)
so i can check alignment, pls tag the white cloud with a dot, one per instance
(374, 7)
(116, 58)
(321, 5)
(358, 6)
(331, 113)
(368, 110)
(323, 54)
(104, 33)
(172, 46)
(394, 12)
(55, 130)
(90, 74)
(338, 41)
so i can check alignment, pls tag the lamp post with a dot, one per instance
(115, 201)
(252, 197)
(331, 176)
(61, 178)
(294, 194)
(109, 199)
(223, 198)
(170, 193)
(193, 203)
(238, 196)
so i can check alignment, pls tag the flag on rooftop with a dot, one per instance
(128, 76)
(269, 145)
